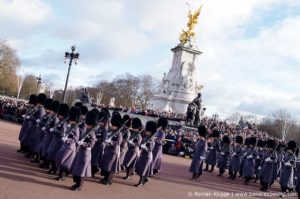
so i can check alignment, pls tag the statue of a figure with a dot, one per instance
(193, 111)
(193, 20)
(84, 96)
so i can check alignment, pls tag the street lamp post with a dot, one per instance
(71, 56)
(39, 81)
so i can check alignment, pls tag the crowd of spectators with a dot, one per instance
(12, 109)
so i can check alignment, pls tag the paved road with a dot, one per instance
(21, 179)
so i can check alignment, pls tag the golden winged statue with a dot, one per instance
(193, 20)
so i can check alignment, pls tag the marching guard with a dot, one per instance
(200, 150)
(99, 147)
(211, 158)
(66, 153)
(58, 131)
(223, 158)
(81, 166)
(47, 139)
(110, 161)
(162, 125)
(235, 160)
(26, 123)
(289, 164)
(249, 165)
(268, 166)
(144, 163)
(134, 147)
(126, 136)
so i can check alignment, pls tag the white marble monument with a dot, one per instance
(178, 88)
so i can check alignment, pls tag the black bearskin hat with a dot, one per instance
(260, 143)
(239, 139)
(127, 120)
(74, 114)
(78, 104)
(136, 123)
(103, 117)
(202, 131)
(47, 104)
(151, 127)
(292, 145)
(216, 133)
(106, 110)
(40, 99)
(91, 118)
(162, 123)
(55, 106)
(32, 99)
(63, 110)
(252, 141)
(97, 112)
(247, 141)
(116, 120)
(226, 140)
(83, 110)
(271, 144)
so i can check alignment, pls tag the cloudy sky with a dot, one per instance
(250, 61)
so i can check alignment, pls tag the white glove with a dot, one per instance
(258, 158)
(259, 168)
(28, 117)
(79, 143)
(143, 146)
(222, 153)
(52, 130)
(108, 140)
(288, 164)
(43, 128)
(268, 159)
(64, 139)
(202, 158)
(131, 142)
(23, 116)
(249, 156)
(233, 154)
(212, 148)
(38, 121)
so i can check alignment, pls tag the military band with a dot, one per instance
(73, 140)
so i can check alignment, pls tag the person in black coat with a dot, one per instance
(211, 158)
(235, 160)
(223, 159)
(249, 165)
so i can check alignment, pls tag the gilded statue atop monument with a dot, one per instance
(193, 20)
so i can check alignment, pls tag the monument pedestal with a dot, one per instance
(178, 88)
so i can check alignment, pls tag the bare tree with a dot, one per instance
(29, 86)
(283, 121)
(148, 86)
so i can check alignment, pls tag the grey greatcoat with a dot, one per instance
(248, 169)
(288, 168)
(40, 111)
(144, 165)
(47, 139)
(56, 142)
(98, 149)
(157, 150)
(223, 159)
(269, 162)
(25, 126)
(297, 187)
(258, 162)
(211, 158)
(124, 145)
(235, 160)
(198, 158)
(38, 134)
(111, 156)
(133, 152)
(82, 162)
(67, 152)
